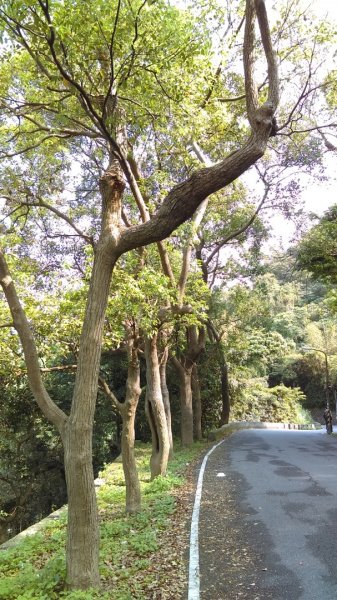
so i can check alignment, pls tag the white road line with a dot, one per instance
(194, 570)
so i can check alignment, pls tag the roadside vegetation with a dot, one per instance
(141, 555)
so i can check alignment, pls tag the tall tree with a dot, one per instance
(63, 76)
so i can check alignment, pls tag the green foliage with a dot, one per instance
(317, 251)
(31, 467)
(264, 326)
(137, 294)
(255, 401)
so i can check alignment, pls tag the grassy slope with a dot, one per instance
(142, 556)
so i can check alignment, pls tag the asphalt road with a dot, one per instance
(268, 518)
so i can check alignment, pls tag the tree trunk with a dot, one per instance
(155, 411)
(186, 405)
(195, 342)
(83, 527)
(83, 531)
(132, 487)
(225, 412)
(197, 409)
(166, 397)
(128, 412)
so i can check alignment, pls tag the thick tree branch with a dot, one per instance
(183, 200)
(248, 62)
(58, 368)
(196, 221)
(7, 325)
(273, 82)
(48, 407)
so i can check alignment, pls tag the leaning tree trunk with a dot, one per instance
(83, 527)
(186, 403)
(166, 396)
(128, 412)
(226, 407)
(197, 408)
(155, 411)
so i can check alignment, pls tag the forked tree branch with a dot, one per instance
(183, 200)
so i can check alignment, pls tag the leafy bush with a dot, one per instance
(254, 401)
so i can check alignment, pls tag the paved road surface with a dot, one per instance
(268, 527)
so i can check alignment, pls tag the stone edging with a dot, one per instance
(217, 434)
(54, 516)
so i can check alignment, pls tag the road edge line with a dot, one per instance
(194, 569)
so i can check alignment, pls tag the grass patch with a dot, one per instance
(35, 569)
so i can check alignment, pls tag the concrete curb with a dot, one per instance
(40, 525)
(14, 541)
(217, 434)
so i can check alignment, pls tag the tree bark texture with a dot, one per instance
(197, 408)
(128, 412)
(186, 404)
(155, 410)
(195, 344)
(166, 396)
(226, 407)
(83, 531)
(83, 527)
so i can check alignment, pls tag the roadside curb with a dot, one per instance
(40, 525)
(217, 434)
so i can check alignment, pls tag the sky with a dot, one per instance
(317, 197)
(322, 7)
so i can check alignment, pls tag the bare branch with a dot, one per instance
(108, 392)
(238, 231)
(58, 368)
(42, 204)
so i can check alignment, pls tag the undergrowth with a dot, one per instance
(35, 569)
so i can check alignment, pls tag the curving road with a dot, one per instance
(268, 517)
